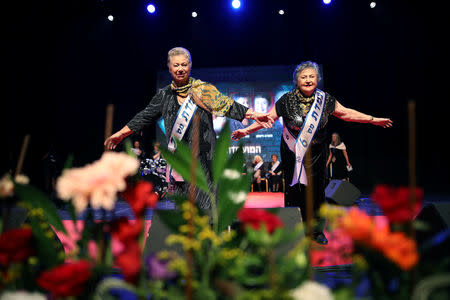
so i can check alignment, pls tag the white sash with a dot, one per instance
(256, 168)
(306, 135)
(275, 166)
(181, 124)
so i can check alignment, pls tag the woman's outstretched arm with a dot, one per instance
(351, 115)
(237, 134)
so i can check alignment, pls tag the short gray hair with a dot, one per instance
(306, 65)
(179, 51)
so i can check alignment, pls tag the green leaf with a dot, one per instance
(251, 270)
(180, 161)
(221, 153)
(232, 190)
(109, 258)
(343, 294)
(128, 147)
(173, 219)
(178, 199)
(204, 293)
(69, 161)
(47, 245)
(34, 198)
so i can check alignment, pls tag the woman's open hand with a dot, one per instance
(264, 120)
(383, 122)
(238, 134)
(114, 140)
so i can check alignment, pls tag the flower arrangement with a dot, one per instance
(229, 252)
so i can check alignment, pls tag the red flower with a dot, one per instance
(141, 196)
(125, 230)
(66, 280)
(395, 202)
(129, 261)
(254, 217)
(15, 245)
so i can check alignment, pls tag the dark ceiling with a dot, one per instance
(65, 62)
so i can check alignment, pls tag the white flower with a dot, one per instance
(22, 295)
(21, 179)
(231, 174)
(98, 182)
(237, 197)
(311, 290)
(6, 186)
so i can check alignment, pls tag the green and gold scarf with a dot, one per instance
(205, 95)
(305, 102)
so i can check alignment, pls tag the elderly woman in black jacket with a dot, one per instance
(177, 103)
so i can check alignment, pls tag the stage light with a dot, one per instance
(326, 2)
(372, 4)
(281, 12)
(236, 4)
(111, 18)
(194, 14)
(151, 8)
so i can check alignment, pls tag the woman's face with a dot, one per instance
(307, 81)
(274, 158)
(334, 138)
(180, 69)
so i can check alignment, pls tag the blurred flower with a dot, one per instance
(98, 182)
(141, 196)
(237, 197)
(357, 224)
(395, 202)
(184, 241)
(400, 249)
(158, 268)
(22, 295)
(310, 290)
(6, 186)
(126, 230)
(395, 246)
(255, 217)
(129, 262)
(66, 280)
(15, 245)
(21, 179)
(329, 211)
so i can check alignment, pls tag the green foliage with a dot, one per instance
(228, 189)
(180, 161)
(35, 199)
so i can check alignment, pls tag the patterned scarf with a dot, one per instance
(183, 90)
(305, 102)
(205, 95)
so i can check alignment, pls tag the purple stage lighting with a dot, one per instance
(236, 4)
(327, 1)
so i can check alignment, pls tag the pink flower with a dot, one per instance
(97, 183)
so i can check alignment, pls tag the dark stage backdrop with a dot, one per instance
(65, 62)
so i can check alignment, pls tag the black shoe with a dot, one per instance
(320, 238)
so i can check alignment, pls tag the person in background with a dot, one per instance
(258, 173)
(156, 151)
(274, 174)
(338, 163)
(136, 149)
